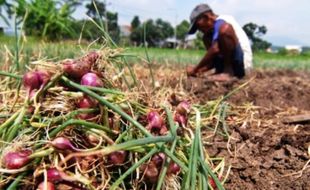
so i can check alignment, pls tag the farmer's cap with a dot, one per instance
(198, 10)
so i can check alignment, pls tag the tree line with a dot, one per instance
(53, 20)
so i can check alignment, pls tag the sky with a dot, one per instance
(287, 21)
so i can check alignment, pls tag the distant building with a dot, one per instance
(170, 43)
(3, 29)
(6, 30)
(294, 49)
(125, 30)
(273, 49)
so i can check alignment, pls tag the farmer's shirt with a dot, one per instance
(241, 35)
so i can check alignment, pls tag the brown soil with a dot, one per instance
(265, 153)
(270, 155)
(269, 89)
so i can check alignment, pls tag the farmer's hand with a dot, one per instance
(190, 71)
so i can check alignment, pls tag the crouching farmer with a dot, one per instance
(228, 53)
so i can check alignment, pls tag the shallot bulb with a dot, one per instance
(158, 159)
(33, 93)
(43, 77)
(63, 143)
(151, 172)
(46, 186)
(76, 69)
(53, 175)
(31, 81)
(91, 57)
(34, 80)
(87, 102)
(16, 160)
(173, 168)
(212, 183)
(180, 119)
(155, 122)
(183, 108)
(117, 157)
(91, 79)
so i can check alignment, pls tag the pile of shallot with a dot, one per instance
(108, 139)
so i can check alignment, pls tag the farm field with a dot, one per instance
(31, 48)
(244, 136)
(263, 150)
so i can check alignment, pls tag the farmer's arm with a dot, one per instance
(206, 62)
(226, 37)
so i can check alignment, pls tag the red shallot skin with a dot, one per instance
(33, 93)
(173, 168)
(91, 79)
(111, 122)
(180, 119)
(30, 108)
(91, 58)
(16, 160)
(31, 81)
(151, 172)
(76, 69)
(163, 130)
(117, 157)
(53, 175)
(87, 102)
(212, 183)
(62, 143)
(151, 115)
(183, 108)
(159, 159)
(49, 186)
(34, 80)
(44, 77)
(155, 121)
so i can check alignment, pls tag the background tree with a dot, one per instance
(135, 23)
(135, 36)
(150, 32)
(255, 32)
(92, 8)
(198, 42)
(155, 31)
(164, 29)
(47, 18)
(97, 11)
(114, 30)
(182, 30)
